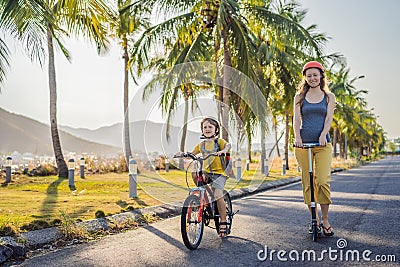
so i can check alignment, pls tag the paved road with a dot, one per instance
(365, 214)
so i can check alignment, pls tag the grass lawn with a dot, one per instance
(27, 199)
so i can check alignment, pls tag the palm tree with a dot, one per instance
(171, 94)
(41, 21)
(229, 26)
(85, 18)
(288, 61)
(130, 22)
(352, 117)
(20, 20)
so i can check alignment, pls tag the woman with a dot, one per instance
(313, 113)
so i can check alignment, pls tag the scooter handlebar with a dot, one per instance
(308, 145)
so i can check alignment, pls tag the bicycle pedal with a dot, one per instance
(233, 214)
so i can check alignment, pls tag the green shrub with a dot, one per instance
(43, 170)
(99, 214)
(129, 208)
(35, 225)
(10, 226)
(56, 222)
(70, 230)
(9, 230)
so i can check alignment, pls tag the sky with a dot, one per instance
(90, 87)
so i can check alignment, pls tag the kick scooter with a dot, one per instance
(314, 226)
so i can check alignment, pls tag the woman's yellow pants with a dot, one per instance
(322, 159)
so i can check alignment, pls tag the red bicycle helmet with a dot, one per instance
(312, 64)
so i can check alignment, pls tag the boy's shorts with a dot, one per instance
(217, 181)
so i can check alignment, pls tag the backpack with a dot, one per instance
(225, 160)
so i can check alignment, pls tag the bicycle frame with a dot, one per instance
(201, 191)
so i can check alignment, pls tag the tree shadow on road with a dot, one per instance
(164, 236)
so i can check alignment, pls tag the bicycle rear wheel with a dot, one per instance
(191, 226)
(229, 213)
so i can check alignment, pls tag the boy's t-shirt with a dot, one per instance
(212, 164)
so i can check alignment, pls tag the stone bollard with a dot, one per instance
(71, 173)
(82, 167)
(247, 164)
(132, 178)
(238, 169)
(166, 165)
(283, 166)
(266, 171)
(8, 169)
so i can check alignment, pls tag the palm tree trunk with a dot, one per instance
(127, 140)
(263, 152)
(184, 130)
(335, 132)
(276, 136)
(249, 149)
(61, 165)
(218, 79)
(226, 91)
(341, 145)
(287, 121)
(341, 152)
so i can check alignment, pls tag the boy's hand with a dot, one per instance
(179, 154)
(219, 153)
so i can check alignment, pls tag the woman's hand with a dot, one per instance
(322, 140)
(298, 142)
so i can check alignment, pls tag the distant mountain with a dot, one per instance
(146, 136)
(23, 134)
(108, 135)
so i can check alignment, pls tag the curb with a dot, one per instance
(39, 238)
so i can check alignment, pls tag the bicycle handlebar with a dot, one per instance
(194, 157)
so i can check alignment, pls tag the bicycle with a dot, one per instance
(314, 226)
(198, 210)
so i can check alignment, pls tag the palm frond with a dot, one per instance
(4, 61)
(285, 26)
(243, 44)
(87, 18)
(154, 38)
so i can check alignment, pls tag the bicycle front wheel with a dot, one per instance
(192, 226)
